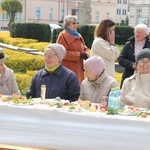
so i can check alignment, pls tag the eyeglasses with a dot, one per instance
(49, 56)
(75, 23)
(141, 63)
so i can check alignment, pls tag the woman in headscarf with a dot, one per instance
(59, 80)
(98, 83)
(8, 85)
(136, 89)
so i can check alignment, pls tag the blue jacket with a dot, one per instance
(61, 83)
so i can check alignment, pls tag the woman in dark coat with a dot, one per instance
(131, 49)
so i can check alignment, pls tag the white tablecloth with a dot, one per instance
(45, 128)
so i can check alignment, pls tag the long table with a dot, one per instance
(44, 128)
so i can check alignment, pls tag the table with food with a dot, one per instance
(64, 125)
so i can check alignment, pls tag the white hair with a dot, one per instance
(67, 20)
(142, 27)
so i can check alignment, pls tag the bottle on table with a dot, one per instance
(114, 98)
(43, 92)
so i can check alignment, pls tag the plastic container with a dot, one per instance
(114, 98)
(43, 92)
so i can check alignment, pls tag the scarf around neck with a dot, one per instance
(73, 33)
(52, 69)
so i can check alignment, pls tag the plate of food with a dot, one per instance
(127, 111)
(5, 98)
(19, 100)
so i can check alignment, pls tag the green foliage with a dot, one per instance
(123, 33)
(38, 31)
(22, 62)
(24, 80)
(87, 32)
(11, 7)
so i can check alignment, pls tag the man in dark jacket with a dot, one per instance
(132, 47)
(59, 80)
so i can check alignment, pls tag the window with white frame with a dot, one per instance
(124, 12)
(124, 1)
(5, 16)
(107, 14)
(38, 13)
(97, 17)
(51, 14)
(62, 13)
(118, 1)
(118, 11)
(18, 17)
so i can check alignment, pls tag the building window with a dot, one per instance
(97, 18)
(118, 11)
(124, 12)
(74, 12)
(38, 13)
(124, 1)
(62, 13)
(107, 14)
(5, 16)
(18, 17)
(51, 14)
(118, 1)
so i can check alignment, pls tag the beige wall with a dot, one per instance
(103, 7)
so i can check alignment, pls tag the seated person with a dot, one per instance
(98, 83)
(136, 89)
(59, 80)
(8, 85)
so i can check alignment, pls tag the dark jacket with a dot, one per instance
(127, 57)
(61, 83)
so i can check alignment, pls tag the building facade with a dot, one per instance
(139, 12)
(54, 11)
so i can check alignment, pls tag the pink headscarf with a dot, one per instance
(95, 64)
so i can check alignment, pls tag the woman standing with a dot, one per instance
(132, 47)
(75, 46)
(104, 44)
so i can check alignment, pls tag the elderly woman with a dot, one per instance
(77, 51)
(104, 45)
(59, 80)
(131, 49)
(136, 89)
(98, 83)
(8, 85)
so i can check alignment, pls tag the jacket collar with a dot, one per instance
(57, 72)
(100, 80)
(69, 38)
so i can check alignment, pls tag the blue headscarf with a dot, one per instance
(73, 33)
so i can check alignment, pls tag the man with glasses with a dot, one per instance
(136, 89)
